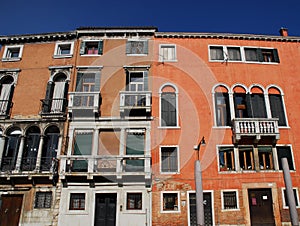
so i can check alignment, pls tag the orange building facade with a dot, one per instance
(99, 126)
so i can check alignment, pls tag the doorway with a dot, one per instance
(261, 207)
(105, 213)
(10, 209)
(208, 214)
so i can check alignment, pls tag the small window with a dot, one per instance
(167, 53)
(169, 160)
(251, 54)
(64, 49)
(234, 53)
(265, 156)
(285, 201)
(43, 200)
(134, 201)
(230, 200)
(137, 47)
(285, 152)
(226, 159)
(216, 52)
(246, 158)
(77, 201)
(12, 53)
(91, 47)
(170, 202)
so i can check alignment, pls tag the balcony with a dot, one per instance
(24, 170)
(255, 127)
(53, 107)
(135, 101)
(113, 167)
(84, 104)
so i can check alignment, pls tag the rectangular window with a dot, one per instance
(234, 53)
(230, 200)
(168, 109)
(285, 152)
(64, 49)
(77, 201)
(135, 146)
(222, 109)
(134, 201)
(246, 158)
(251, 54)
(226, 159)
(90, 47)
(169, 160)
(216, 53)
(167, 53)
(137, 47)
(286, 203)
(265, 156)
(43, 200)
(261, 55)
(170, 202)
(277, 108)
(12, 53)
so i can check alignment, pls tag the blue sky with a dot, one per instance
(231, 16)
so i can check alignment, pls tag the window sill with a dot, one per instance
(11, 59)
(169, 127)
(142, 54)
(168, 61)
(62, 56)
(170, 211)
(230, 210)
(169, 173)
(90, 55)
(77, 212)
(221, 127)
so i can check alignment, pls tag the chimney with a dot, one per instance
(284, 32)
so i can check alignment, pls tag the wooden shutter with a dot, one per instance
(146, 80)
(65, 100)
(276, 56)
(97, 81)
(100, 47)
(82, 48)
(145, 50)
(48, 97)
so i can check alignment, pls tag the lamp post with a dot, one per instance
(199, 187)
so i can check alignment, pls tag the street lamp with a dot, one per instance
(199, 187)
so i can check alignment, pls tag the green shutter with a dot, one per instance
(100, 47)
(82, 47)
(276, 56)
(145, 50)
(146, 80)
(97, 81)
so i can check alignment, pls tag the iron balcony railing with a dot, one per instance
(255, 127)
(84, 100)
(106, 165)
(135, 100)
(46, 164)
(53, 106)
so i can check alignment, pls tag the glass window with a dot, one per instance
(136, 47)
(240, 103)
(167, 53)
(77, 201)
(64, 49)
(285, 152)
(216, 53)
(234, 53)
(286, 201)
(168, 109)
(226, 159)
(91, 47)
(135, 145)
(222, 109)
(134, 201)
(246, 158)
(43, 200)
(169, 159)
(170, 202)
(230, 200)
(265, 155)
(12, 53)
(277, 108)
(251, 54)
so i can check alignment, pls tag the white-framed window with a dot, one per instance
(167, 53)
(170, 202)
(43, 200)
(246, 54)
(91, 47)
(134, 201)
(285, 199)
(77, 201)
(229, 200)
(136, 47)
(168, 106)
(63, 49)
(12, 53)
(169, 159)
(226, 158)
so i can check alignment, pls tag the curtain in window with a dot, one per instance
(58, 96)
(168, 109)
(4, 98)
(216, 53)
(251, 54)
(234, 53)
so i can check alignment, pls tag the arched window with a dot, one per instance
(31, 148)
(11, 147)
(222, 107)
(257, 104)
(240, 97)
(168, 106)
(50, 147)
(56, 94)
(6, 94)
(277, 105)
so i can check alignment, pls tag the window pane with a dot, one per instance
(77, 201)
(169, 160)
(251, 54)
(226, 158)
(168, 53)
(229, 199)
(222, 109)
(258, 106)
(286, 199)
(285, 152)
(168, 109)
(277, 109)
(265, 156)
(43, 200)
(234, 53)
(216, 53)
(170, 202)
(246, 158)
(134, 201)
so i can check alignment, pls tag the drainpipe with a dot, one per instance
(289, 192)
